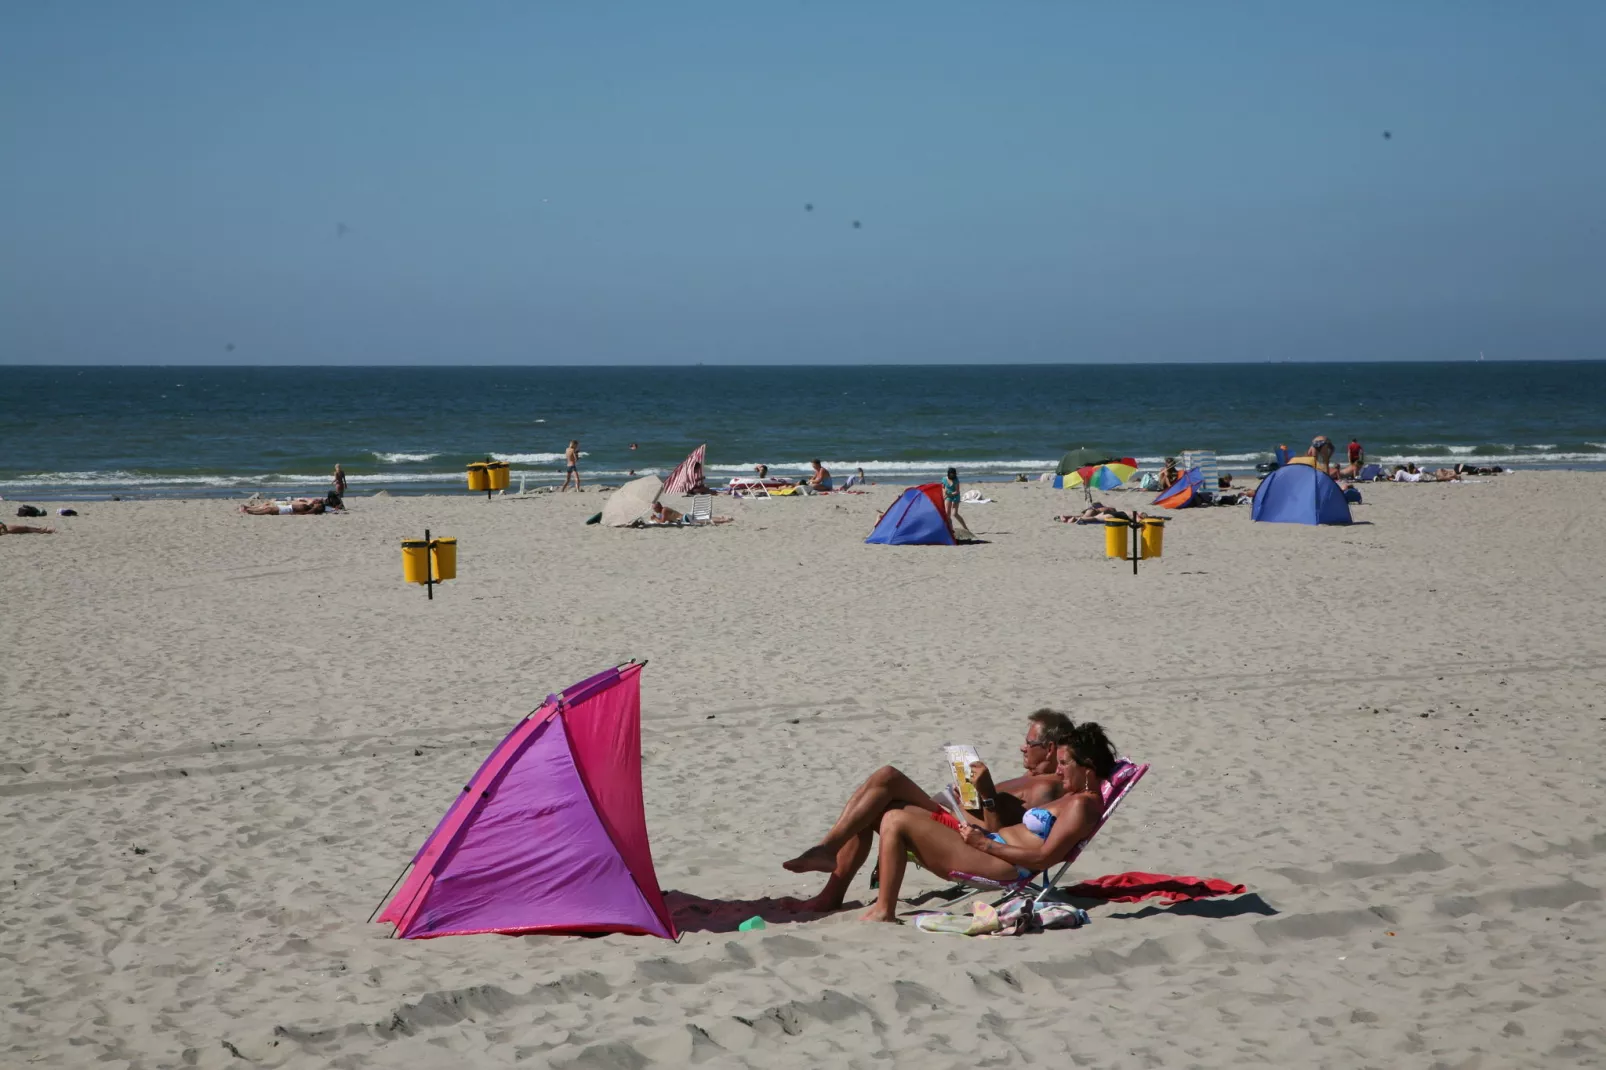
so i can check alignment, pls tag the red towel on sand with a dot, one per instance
(1131, 887)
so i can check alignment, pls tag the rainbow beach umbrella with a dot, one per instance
(1105, 474)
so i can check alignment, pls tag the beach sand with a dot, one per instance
(226, 734)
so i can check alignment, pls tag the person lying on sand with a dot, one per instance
(293, 507)
(25, 529)
(845, 847)
(1045, 835)
(1097, 513)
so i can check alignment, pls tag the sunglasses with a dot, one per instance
(1035, 742)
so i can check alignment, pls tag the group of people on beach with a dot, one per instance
(1019, 827)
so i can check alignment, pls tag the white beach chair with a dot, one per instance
(1205, 461)
(702, 510)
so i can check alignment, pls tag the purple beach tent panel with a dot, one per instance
(528, 846)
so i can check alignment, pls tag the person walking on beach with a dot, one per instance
(571, 457)
(340, 481)
(950, 496)
(1357, 454)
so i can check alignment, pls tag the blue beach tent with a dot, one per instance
(915, 519)
(1184, 493)
(1300, 494)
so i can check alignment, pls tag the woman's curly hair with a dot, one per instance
(1092, 748)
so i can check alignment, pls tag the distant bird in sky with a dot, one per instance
(229, 348)
(341, 230)
(808, 207)
(857, 225)
(1388, 135)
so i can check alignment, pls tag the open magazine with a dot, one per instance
(961, 793)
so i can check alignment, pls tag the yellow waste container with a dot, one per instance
(1153, 537)
(1115, 538)
(478, 477)
(497, 470)
(415, 561)
(443, 555)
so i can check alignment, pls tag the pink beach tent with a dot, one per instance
(687, 473)
(550, 835)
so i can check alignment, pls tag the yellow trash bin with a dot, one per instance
(443, 555)
(1115, 538)
(498, 471)
(1153, 537)
(415, 561)
(478, 477)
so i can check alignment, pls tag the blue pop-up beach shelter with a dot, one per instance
(915, 519)
(1184, 493)
(1300, 494)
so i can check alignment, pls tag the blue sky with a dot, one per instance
(618, 183)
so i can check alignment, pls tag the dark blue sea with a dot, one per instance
(191, 431)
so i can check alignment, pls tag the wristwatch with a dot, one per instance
(988, 804)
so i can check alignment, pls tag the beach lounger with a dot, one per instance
(749, 488)
(702, 510)
(1040, 885)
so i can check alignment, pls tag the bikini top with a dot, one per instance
(1038, 822)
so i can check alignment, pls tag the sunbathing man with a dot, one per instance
(25, 529)
(847, 844)
(1046, 834)
(293, 507)
(662, 514)
(1097, 513)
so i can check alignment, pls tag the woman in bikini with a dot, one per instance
(1046, 835)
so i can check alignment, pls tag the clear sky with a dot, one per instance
(625, 183)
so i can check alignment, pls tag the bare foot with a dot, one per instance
(819, 904)
(817, 859)
(875, 913)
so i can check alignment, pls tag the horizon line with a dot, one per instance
(895, 364)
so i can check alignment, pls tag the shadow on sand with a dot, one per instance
(695, 914)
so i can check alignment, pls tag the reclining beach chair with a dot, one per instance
(748, 488)
(1040, 885)
(702, 510)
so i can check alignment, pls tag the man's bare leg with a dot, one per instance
(848, 862)
(886, 788)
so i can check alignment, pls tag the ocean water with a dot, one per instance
(192, 431)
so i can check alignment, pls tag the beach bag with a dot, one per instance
(1150, 481)
(29, 510)
(1014, 918)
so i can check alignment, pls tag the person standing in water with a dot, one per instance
(950, 496)
(571, 457)
(340, 481)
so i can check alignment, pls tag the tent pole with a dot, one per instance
(386, 897)
(1134, 523)
(429, 566)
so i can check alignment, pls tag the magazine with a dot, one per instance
(959, 757)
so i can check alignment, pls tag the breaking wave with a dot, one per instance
(533, 458)
(404, 458)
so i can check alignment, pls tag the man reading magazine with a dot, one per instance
(845, 847)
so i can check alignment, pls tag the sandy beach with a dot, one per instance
(227, 733)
